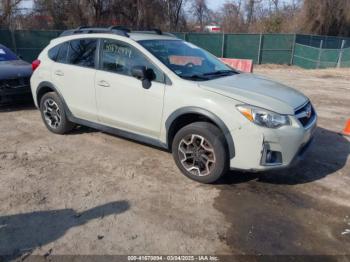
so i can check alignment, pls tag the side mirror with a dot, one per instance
(139, 72)
(143, 74)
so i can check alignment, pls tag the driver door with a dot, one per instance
(122, 102)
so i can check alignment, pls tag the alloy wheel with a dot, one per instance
(52, 113)
(197, 155)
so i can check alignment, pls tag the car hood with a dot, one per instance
(14, 69)
(258, 91)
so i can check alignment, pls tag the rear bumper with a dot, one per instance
(11, 94)
(289, 144)
(15, 91)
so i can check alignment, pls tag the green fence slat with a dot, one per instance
(304, 63)
(5, 38)
(345, 62)
(180, 35)
(242, 46)
(31, 42)
(209, 42)
(277, 48)
(274, 49)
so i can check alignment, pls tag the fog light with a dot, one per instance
(269, 157)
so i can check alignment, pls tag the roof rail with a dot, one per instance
(118, 30)
(119, 27)
(148, 31)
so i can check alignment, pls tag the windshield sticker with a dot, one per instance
(2, 52)
(117, 49)
(184, 60)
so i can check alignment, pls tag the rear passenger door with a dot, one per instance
(74, 75)
(121, 99)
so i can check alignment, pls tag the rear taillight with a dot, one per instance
(35, 64)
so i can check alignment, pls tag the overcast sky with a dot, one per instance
(213, 4)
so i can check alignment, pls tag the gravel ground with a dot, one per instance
(93, 193)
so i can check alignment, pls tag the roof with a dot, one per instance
(152, 34)
(144, 36)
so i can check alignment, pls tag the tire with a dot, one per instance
(58, 122)
(206, 158)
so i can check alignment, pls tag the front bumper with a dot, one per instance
(288, 144)
(18, 91)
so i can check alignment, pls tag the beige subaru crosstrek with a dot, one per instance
(155, 88)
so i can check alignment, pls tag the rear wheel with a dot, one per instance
(200, 153)
(53, 114)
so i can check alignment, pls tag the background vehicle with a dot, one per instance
(212, 29)
(14, 77)
(155, 88)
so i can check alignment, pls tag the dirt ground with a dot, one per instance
(93, 193)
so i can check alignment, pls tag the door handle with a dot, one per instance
(59, 73)
(103, 83)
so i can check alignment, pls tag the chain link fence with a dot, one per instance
(306, 51)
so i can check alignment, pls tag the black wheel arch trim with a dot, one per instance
(46, 84)
(201, 111)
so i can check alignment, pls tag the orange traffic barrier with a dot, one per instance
(346, 130)
(244, 65)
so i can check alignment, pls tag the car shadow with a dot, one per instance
(328, 154)
(17, 106)
(78, 130)
(20, 234)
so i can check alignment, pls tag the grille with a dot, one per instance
(14, 83)
(306, 114)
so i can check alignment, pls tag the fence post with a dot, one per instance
(319, 55)
(293, 49)
(185, 36)
(13, 39)
(223, 45)
(341, 54)
(260, 49)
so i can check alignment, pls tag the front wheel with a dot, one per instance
(200, 153)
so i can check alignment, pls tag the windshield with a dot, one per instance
(187, 60)
(6, 54)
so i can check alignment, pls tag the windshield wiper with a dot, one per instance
(195, 77)
(220, 73)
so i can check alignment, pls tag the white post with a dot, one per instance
(293, 49)
(223, 45)
(341, 54)
(260, 49)
(320, 55)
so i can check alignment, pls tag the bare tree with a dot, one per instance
(174, 10)
(231, 16)
(275, 4)
(326, 17)
(201, 11)
(250, 11)
(7, 9)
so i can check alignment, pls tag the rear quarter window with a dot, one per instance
(59, 53)
(82, 52)
(53, 52)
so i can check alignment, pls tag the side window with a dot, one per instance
(82, 52)
(53, 52)
(62, 53)
(120, 58)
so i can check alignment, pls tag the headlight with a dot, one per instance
(263, 117)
